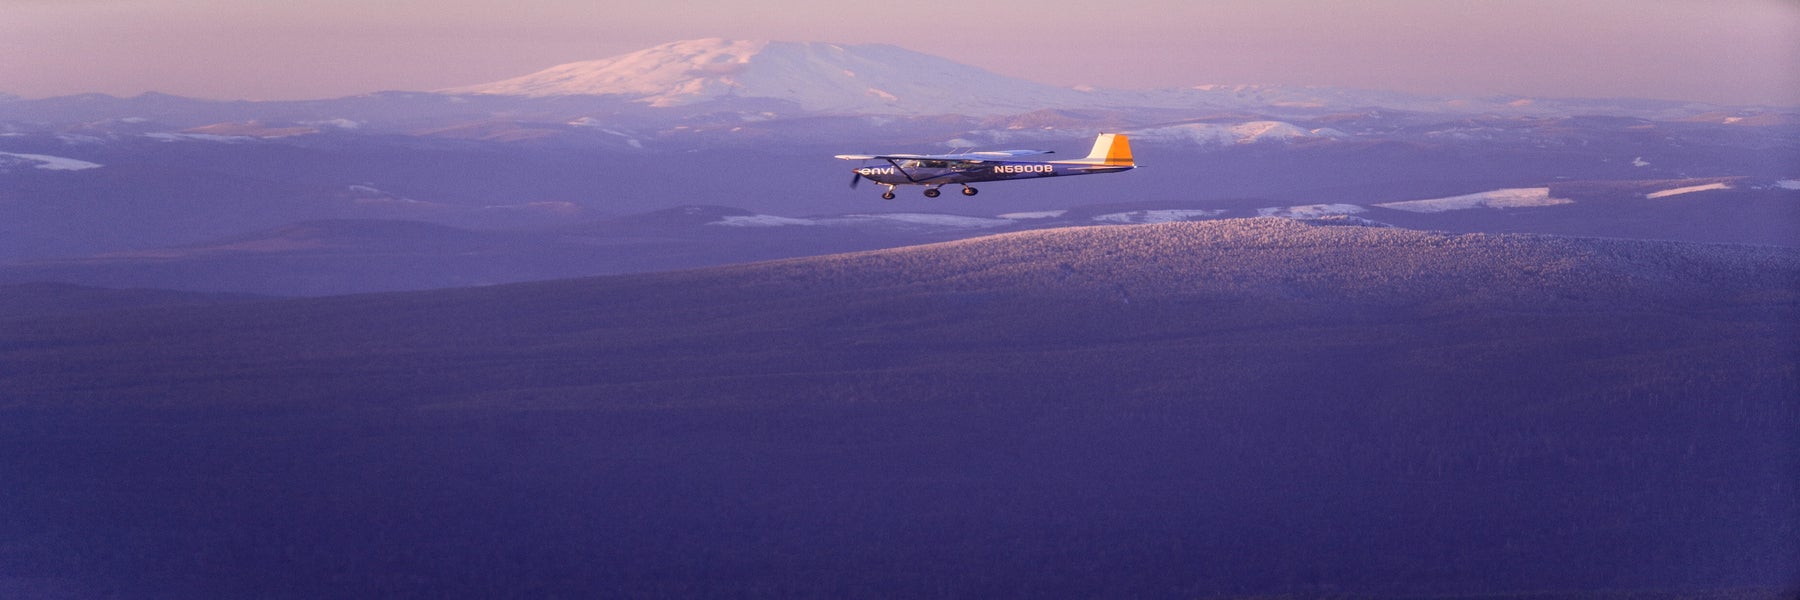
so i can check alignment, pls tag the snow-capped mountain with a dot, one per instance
(819, 77)
(879, 79)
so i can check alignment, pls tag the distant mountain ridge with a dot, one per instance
(820, 77)
(886, 79)
(756, 81)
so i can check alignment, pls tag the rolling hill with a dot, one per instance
(1226, 408)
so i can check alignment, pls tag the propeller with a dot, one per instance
(855, 178)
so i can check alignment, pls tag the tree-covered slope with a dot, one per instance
(1219, 408)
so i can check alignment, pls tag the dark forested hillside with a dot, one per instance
(1225, 408)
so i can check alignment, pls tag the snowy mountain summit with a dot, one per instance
(820, 77)
(880, 79)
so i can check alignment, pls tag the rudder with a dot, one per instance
(1110, 149)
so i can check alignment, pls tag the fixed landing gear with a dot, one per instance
(930, 192)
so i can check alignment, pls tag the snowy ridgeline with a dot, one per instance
(45, 162)
(1507, 198)
(901, 219)
(1501, 199)
(1285, 257)
(1688, 190)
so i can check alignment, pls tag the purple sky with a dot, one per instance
(1726, 51)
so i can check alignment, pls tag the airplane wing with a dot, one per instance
(963, 157)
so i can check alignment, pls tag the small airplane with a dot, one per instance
(1111, 154)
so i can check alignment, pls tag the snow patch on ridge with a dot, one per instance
(1687, 190)
(761, 221)
(1042, 214)
(889, 219)
(197, 137)
(1506, 198)
(1138, 217)
(1309, 211)
(49, 163)
(928, 219)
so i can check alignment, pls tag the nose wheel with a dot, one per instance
(889, 194)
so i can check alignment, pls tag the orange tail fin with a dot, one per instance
(1110, 149)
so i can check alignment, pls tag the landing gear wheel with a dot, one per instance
(969, 191)
(931, 193)
(887, 195)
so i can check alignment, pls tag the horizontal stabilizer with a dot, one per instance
(1102, 169)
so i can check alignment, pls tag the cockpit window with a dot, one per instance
(924, 164)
